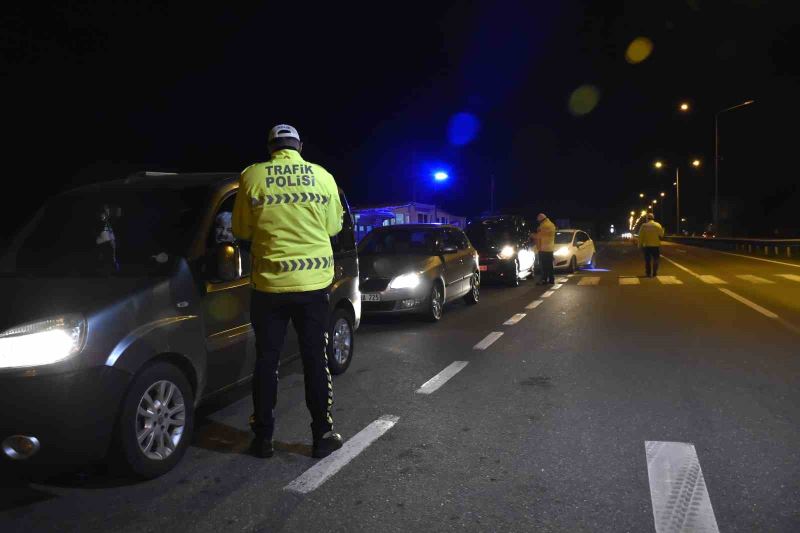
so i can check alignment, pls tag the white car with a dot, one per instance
(574, 249)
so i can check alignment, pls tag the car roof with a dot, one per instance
(432, 225)
(164, 180)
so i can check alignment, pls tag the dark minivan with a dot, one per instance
(503, 242)
(126, 306)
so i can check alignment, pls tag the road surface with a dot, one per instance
(616, 403)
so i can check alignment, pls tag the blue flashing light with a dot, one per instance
(440, 176)
(462, 129)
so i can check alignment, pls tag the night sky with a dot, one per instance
(96, 89)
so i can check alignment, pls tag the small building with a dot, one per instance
(367, 218)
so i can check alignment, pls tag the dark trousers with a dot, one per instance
(270, 314)
(651, 256)
(546, 262)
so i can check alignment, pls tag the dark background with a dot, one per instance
(95, 89)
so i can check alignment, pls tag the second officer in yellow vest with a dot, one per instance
(289, 209)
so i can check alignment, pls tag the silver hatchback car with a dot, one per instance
(417, 268)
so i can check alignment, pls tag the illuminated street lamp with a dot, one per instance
(641, 195)
(684, 107)
(633, 213)
(658, 164)
(696, 163)
(663, 195)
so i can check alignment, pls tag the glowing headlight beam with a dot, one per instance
(507, 252)
(405, 281)
(42, 343)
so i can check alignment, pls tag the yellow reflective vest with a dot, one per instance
(546, 236)
(289, 209)
(650, 234)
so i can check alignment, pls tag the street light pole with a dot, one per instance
(678, 199)
(716, 159)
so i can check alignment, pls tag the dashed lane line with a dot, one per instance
(323, 470)
(760, 259)
(442, 377)
(534, 304)
(755, 279)
(681, 267)
(678, 489)
(748, 303)
(547, 294)
(790, 277)
(514, 319)
(589, 280)
(669, 280)
(488, 340)
(557, 286)
(562, 280)
(629, 280)
(712, 280)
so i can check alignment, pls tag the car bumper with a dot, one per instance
(394, 301)
(71, 415)
(497, 270)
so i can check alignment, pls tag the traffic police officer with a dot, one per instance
(289, 208)
(546, 245)
(650, 242)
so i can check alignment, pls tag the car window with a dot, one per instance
(564, 237)
(399, 241)
(222, 233)
(462, 243)
(111, 231)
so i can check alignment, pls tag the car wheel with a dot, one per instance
(340, 341)
(435, 303)
(155, 425)
(513, 281)
(474, 294)
(573, 265)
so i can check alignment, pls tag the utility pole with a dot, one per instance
(716, 159)
(678, 199)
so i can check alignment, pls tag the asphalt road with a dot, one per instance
(543, 430)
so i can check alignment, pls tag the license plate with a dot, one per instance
(369, 297)
(483, 268)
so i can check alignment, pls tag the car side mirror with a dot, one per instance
(449, 249)
(579, 243)
(229, 262)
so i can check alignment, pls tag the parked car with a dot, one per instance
(504, 247)
(417, 268)
(574, 249)
(128, 306)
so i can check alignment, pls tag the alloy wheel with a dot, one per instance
(160, 420)
(342, 341)
(436, 302)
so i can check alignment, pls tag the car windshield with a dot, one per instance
(107, 232)
(490, 233)
(564, 237)
(398, 241)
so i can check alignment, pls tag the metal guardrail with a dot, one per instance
(786, 248)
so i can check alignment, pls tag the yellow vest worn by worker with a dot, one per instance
(546, 236)
(650, 234)
(288, 208)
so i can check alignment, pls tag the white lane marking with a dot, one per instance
(557, 286)
(760, 259)
(442, 377)
(562, 280)
(755, 279)
(589, 280)
(629, 280)
(327, 467)
(547, 294)
(681, 267)
(712, 280)
(669, 280)
(791, 277)
(514, 319)
(534, 304)
(677, 489)
(748, 303)
(488, 340)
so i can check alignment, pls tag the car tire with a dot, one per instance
(341, 341)
(435, 303)
(150, 446)
(513, 281)
(474, 294)
(573, 265)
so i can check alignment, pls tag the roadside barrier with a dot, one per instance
(777, 248)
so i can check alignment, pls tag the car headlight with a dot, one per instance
(562, 252)
(405, 281)
(42, 343)
(506, 253)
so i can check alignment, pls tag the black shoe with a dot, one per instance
(262, 448)
(329, 443)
